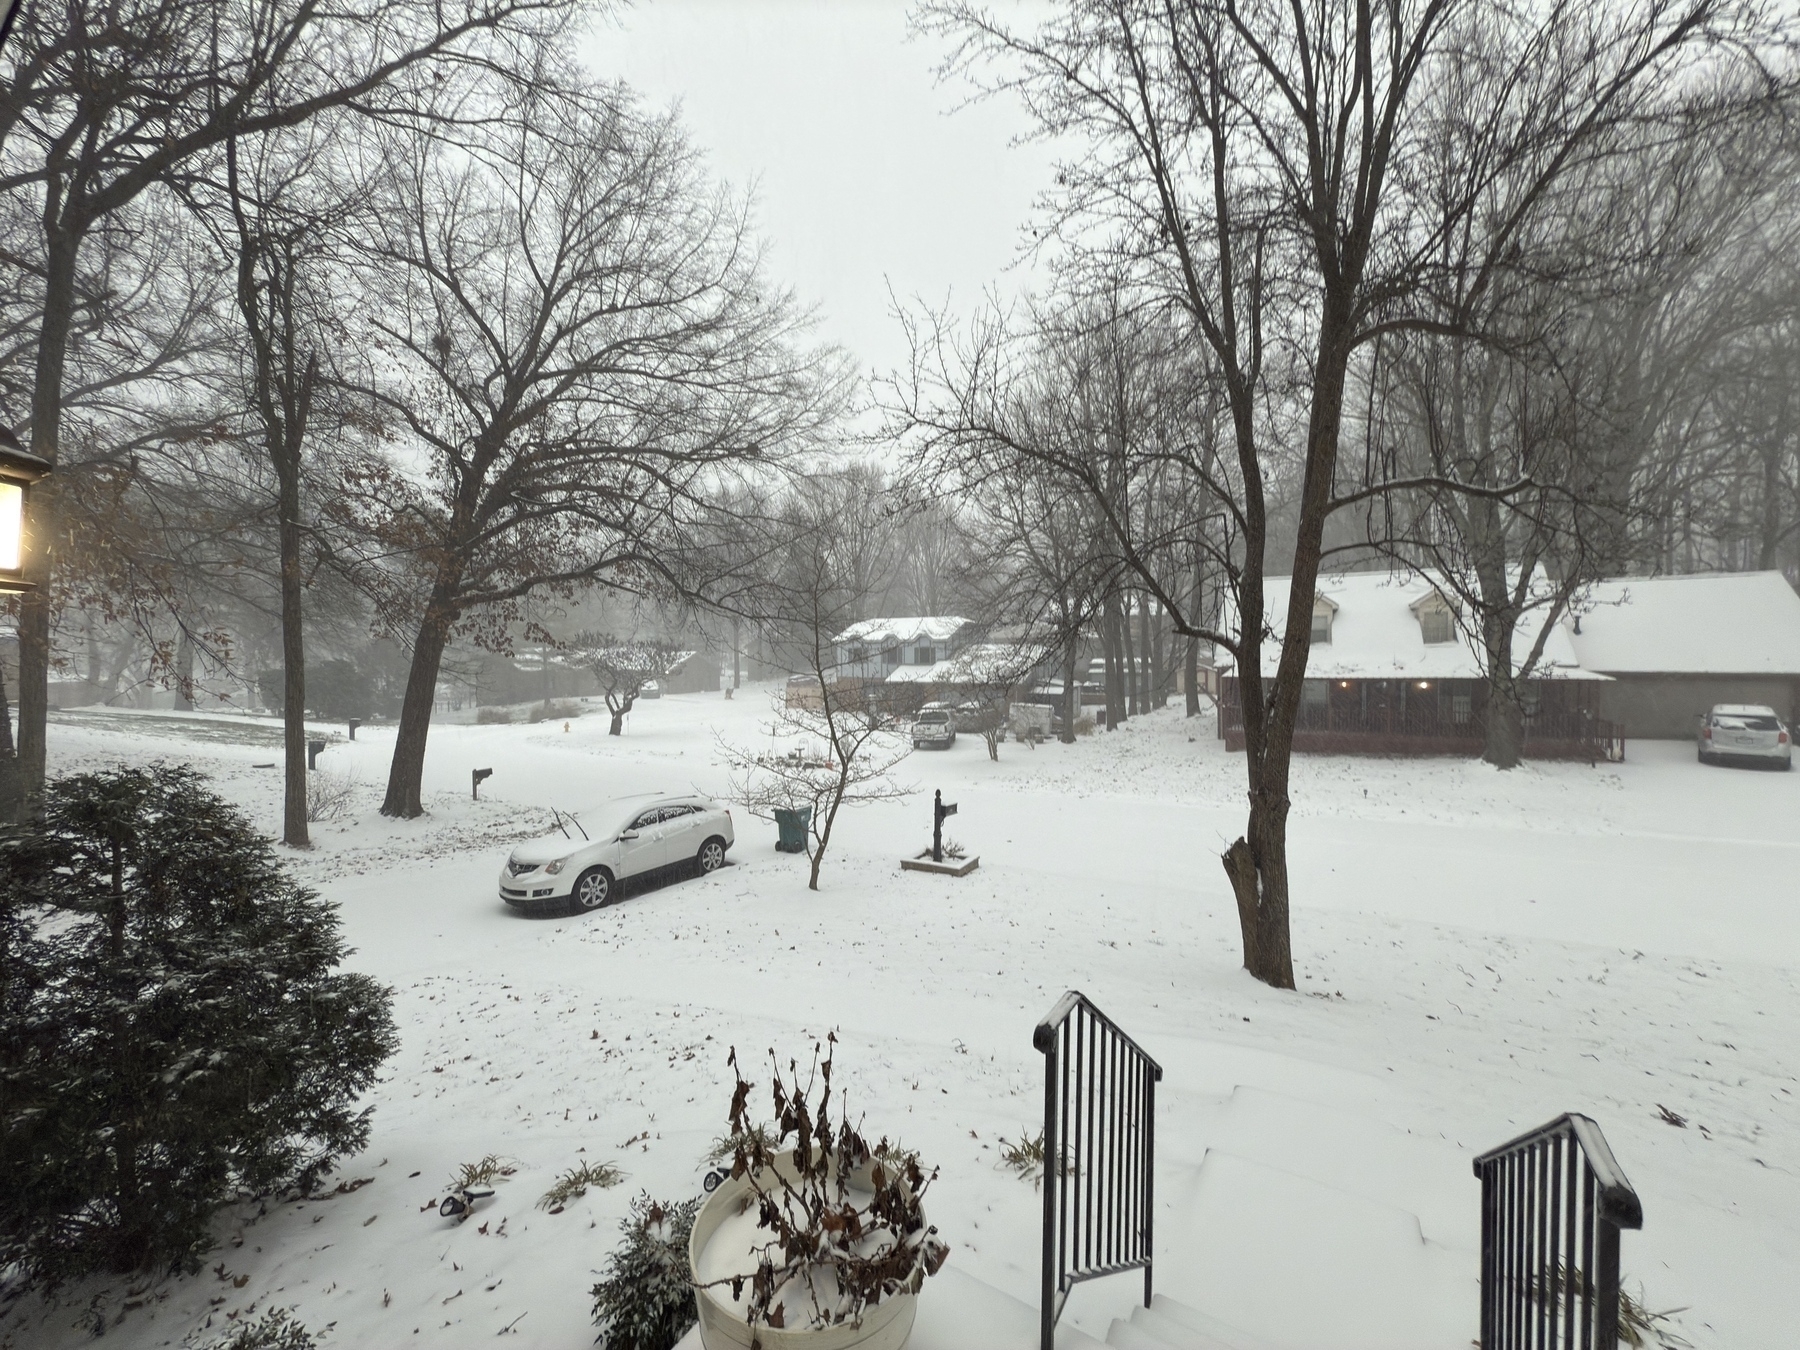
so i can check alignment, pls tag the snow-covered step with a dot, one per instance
(1168, 1325)
(1304, 1263)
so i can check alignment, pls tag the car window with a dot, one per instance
(675, 812)
(1746, 722)
(645, 821)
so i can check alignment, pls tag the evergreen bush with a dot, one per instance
(176, 1030)
(645, 1297)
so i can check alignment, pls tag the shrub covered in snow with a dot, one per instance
(645, 1297)
(274, 1330)
(176, 1030)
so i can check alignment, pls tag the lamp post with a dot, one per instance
(19, 469)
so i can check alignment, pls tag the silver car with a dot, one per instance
(582, 864)
(1748, 732)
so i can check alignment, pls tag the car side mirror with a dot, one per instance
(628, 834)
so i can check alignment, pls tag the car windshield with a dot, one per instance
(1745, 722)
(934, 717)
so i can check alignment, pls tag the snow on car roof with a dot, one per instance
(1376, 634)
(1725, 623)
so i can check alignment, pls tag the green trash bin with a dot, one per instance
(792, 825)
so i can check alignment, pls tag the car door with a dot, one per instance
(681, 832)
(644, 853)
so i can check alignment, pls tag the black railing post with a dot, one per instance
(1149, 1190)
(1099, 1154)
(1552, 1204)
(1052, 1193)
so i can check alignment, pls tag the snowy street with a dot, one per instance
(1477, 953)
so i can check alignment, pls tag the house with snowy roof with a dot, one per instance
(1674, 646)
(898, 651)
(1392, 670)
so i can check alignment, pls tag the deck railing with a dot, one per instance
(1099, 1153)
(1552, 1204)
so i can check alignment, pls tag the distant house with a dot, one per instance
(897, 650)
(1391, 671)
(692, 673)
(1674, 646)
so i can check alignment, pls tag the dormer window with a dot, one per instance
(1324, 611)
(925, 656)
(890, 654)
(1437, 620)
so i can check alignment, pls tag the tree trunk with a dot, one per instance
(1071, 695)
(618, 723)
(1257, 863)
(407, 772)
(46, 431)
(9, 759)
(1504, 746)
(294, 831)
(1192, 692)
(1257, 867)
(1133, 703)
(1109, 646)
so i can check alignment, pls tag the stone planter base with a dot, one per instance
(947, 868)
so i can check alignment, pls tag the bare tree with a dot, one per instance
(1264, 169)
(579, 350)
(622, 666)
(83, 84)
(838, 746)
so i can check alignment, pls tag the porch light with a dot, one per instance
(1343, 684)
(1424, 684)
(19, 469)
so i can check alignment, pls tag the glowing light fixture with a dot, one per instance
(19, 469)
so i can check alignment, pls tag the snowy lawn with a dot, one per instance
(1477, 953)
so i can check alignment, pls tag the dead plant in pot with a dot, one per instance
(819, 1229)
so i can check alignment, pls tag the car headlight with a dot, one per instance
(554, 867)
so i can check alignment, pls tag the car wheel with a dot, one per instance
(593, 888)
(711, 856)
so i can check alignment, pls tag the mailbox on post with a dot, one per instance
(939, 809)
(475, 777)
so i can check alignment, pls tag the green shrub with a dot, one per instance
(176, 1030)
(645, 1298)
(339, 690)
(493, 716)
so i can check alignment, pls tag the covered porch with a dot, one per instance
(1432, 717)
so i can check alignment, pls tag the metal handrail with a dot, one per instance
(1553, 1202)
(1099, 1153)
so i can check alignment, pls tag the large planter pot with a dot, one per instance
(883, 1327)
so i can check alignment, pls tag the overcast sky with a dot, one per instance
(866, 171)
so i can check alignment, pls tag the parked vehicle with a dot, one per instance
(1032, 719)
(1745, 732)
(651, 689)
(933, 729)
(582, 864)
(805, 691)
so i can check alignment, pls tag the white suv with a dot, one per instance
(934, 728)
(582, 864)
(1745, 731)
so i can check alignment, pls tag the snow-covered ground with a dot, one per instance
(1477, 952)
